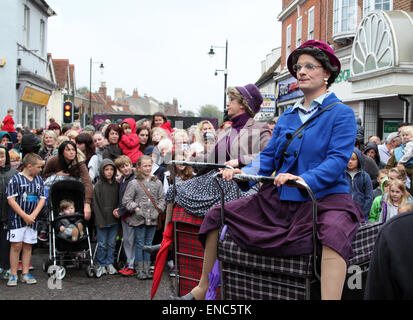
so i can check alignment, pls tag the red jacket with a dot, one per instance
(130, 143)
(8, 124)
(167, 127)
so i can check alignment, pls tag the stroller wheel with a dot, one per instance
(61, 273)
(90, 272)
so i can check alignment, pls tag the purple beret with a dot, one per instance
(335, 62)
(253, 96)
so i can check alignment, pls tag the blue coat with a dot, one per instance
(361, 188)
(320, 155)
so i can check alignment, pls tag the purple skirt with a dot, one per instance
(265, 225)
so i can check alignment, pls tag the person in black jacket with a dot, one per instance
(391, 265)
(6, 172)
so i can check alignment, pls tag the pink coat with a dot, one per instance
(130, 143)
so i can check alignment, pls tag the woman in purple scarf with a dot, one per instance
(236, 146)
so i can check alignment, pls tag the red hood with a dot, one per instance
(167, 126)
(131, 122)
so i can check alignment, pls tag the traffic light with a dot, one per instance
(67, 112)
(76, 113)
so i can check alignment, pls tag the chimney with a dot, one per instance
(135, 93)
(103, 90)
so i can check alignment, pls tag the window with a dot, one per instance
(344, 16)
(42, 37)
(288, 42)
(298, 32)
(310, 23)
(26, 26)
(370, 5)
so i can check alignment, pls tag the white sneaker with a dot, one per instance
(171, 264)
(103, 270)
(29, 279)
(111, 269)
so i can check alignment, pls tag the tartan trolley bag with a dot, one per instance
(248, 276)
(189, 253)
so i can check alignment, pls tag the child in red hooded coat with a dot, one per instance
(160, 120)
(129, 143)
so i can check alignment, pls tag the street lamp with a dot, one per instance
(90, 87)
(211, 53)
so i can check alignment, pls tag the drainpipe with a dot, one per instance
(406, 108)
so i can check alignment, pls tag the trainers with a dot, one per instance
(6, 274)
(127, 272)
(173, 273)
(12, 281)
(111, 269)
(28, 279)
(104, 271)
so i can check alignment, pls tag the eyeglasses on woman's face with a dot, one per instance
(309, 66)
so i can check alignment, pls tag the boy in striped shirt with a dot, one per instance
(25, 195)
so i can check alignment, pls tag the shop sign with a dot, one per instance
(343, 76)
(268, 105)
(35, 96)
(288, 89)
(389, 127)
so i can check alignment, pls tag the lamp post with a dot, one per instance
(211, 54)
(90, 87)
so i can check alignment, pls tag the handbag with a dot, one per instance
(299, 130)
(162, 215)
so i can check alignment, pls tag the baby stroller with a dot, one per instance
(64, 252)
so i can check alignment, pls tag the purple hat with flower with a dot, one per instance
(253, 96)
(335, 62)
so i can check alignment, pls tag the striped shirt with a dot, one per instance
(27, 195)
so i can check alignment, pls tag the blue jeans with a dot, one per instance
(106, 244)
(143, 237)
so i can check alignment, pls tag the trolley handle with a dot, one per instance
(201, 164)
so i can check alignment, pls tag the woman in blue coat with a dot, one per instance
(277, 221)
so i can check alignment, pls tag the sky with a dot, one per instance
(160, 47)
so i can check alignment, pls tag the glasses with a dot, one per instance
(309, 66)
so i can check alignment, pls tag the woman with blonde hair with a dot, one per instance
(72, 134)
(202, 128)
(48, 144)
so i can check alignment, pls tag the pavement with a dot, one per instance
(77, 286)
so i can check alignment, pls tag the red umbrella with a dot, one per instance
(161, 257)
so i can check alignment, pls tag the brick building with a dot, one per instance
(338, 23)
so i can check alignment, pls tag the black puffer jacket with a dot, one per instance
(6, 173)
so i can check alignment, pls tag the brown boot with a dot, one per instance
(80, 227)
(75, 234)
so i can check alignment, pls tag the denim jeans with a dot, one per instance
(143, 237)
(106, 244)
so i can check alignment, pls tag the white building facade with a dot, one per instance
(25, 85)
